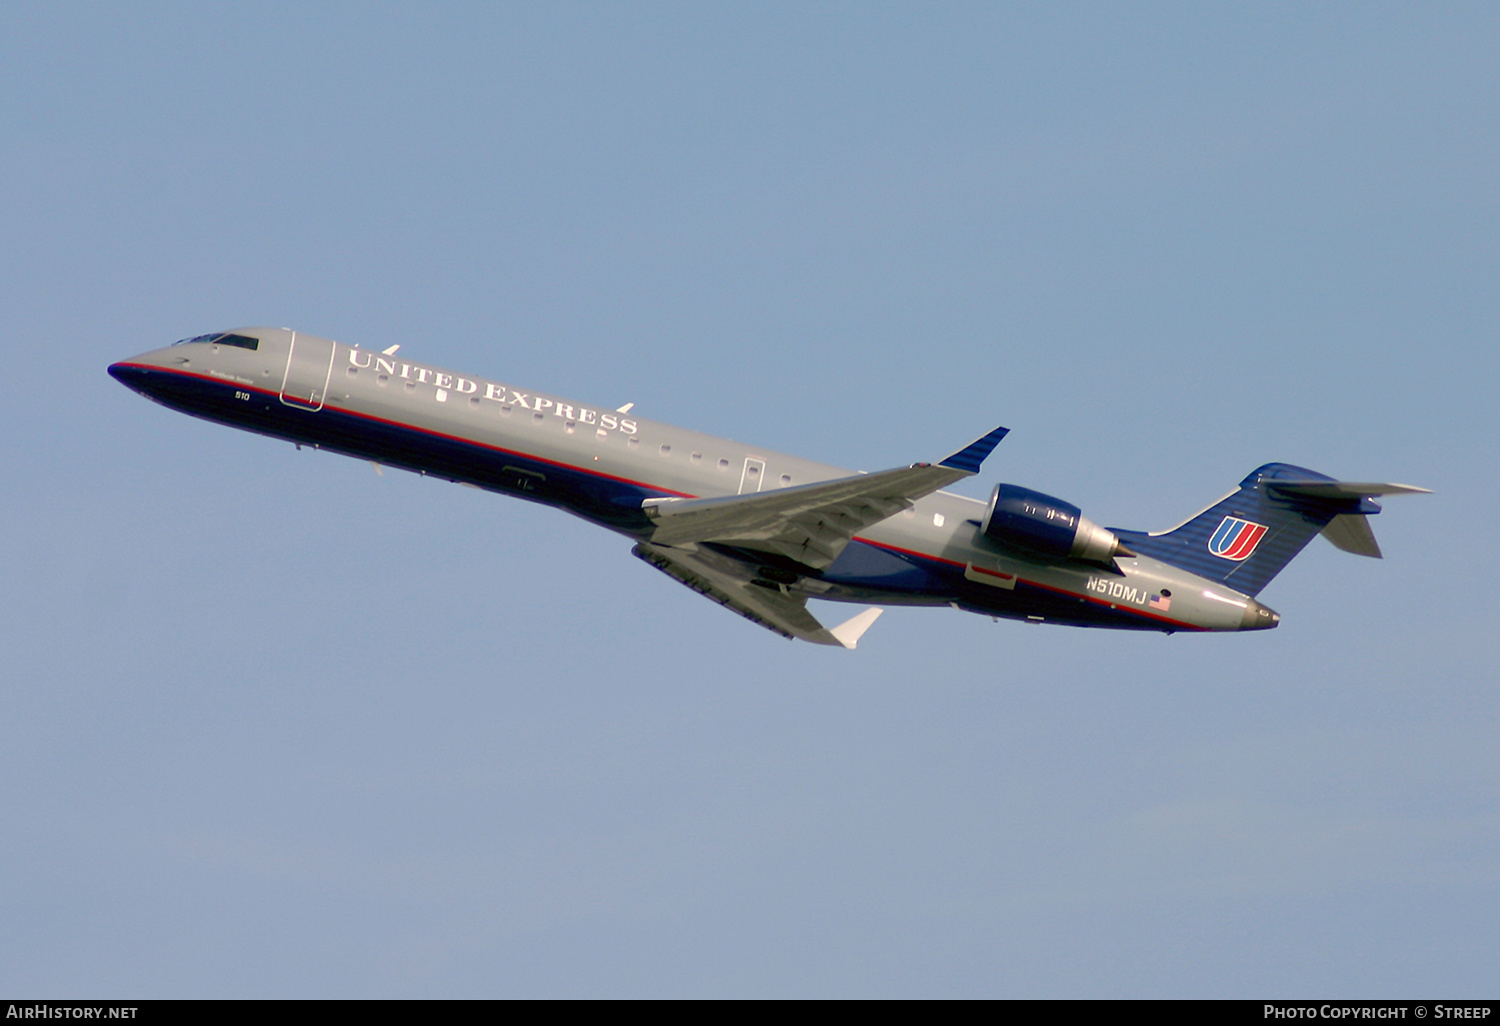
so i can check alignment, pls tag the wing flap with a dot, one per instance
(726, 581)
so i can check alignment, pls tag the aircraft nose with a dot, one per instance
(1259, 618)
(132, 375)
(150, 374)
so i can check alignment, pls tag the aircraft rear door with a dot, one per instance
(309, 363)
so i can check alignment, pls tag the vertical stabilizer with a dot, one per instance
(1244, 539)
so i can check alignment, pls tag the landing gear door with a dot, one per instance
(309, 364)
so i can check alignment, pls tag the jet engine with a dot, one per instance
(1050, 527)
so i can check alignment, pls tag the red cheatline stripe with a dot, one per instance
(1045, 587)
(421, 430)
(910, 552)
(1116, 606)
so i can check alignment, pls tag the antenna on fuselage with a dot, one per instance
(391, 351)
(625, 408)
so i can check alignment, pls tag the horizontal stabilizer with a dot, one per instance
(1336, 490)
(1351, 532)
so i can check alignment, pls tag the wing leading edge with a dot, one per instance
(808, 524)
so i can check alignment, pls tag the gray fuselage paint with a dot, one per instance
(318, 376)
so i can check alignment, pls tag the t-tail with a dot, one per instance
(1245, 538)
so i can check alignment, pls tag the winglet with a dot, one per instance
(851, 630)
(969, 458)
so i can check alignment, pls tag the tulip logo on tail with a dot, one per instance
(1236, 539)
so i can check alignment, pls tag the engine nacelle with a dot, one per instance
(1047, 526)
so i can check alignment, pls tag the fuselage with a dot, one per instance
(602, 464)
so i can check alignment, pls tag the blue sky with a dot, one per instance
(280, 727)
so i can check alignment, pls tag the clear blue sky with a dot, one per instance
(276, 726)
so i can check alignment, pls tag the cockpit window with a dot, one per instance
(223, 338)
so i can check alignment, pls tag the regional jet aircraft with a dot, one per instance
(757, 531)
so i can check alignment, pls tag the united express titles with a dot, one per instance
(445, 384)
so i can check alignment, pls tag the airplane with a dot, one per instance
(761, 532)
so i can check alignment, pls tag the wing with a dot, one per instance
(727, 582)
(810, 524)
